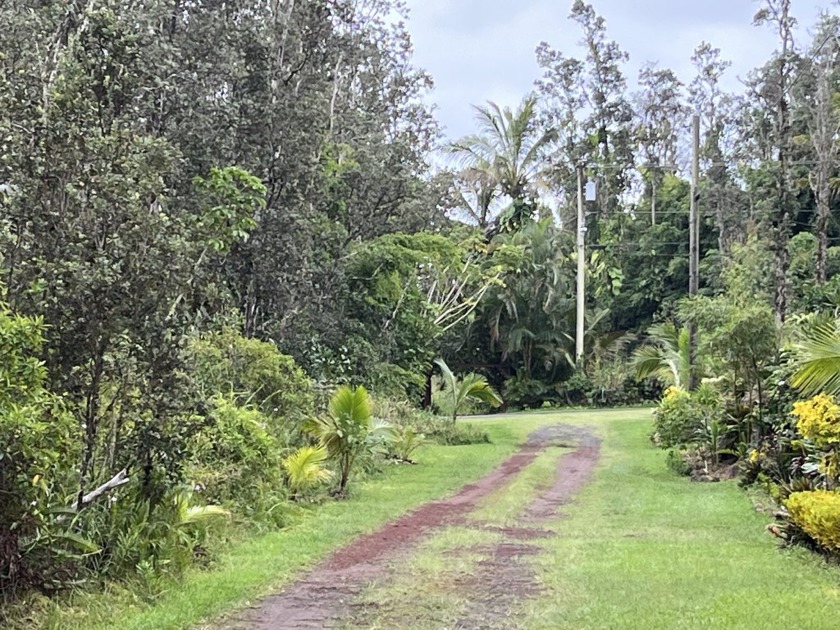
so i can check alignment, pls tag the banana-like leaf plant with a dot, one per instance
(473, 387)
(349, 430)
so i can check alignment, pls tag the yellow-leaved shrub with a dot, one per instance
(817, 513)
(818, 419)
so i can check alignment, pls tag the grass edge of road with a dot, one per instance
(643, 548)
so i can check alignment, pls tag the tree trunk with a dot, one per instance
(782, 260)
(653, 200)
(91, 419)
(427, 391)
(823, 193)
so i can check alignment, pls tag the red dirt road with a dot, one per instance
(323, 597)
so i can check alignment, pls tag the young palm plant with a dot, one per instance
(349, 430)
(819, 360)
(473, 387)
(667, 356)
(305, 468)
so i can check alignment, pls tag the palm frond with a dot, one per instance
(819, 356)
(650, 361)
(476, 387)
(304, 467)
(353, 404)
(448, 376)
(667, 355)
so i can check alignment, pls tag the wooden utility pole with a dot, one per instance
(694, 247)
(581, 271)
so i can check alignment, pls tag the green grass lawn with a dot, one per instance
(642, 548)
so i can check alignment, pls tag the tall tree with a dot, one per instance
(816, 92)
(508, 153)
(717, 111)
(777, 85)
(587, 100)
(661, 114)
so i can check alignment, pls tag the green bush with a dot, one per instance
(234, 458)
(150, 543)
(305, 470)
(254, 372)
(605, 387)
(350, 433)
(682, 417)
(676, 461)
(38, 450)
(817, 513)
(437, 429)
(442, 431)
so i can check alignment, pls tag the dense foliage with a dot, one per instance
(220, 223)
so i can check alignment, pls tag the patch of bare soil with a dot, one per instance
(504, 579)
(323, 598)
(573, 472)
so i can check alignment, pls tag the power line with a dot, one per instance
(707, 165)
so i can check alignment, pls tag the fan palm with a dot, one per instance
(667, 356)
(349, 430)
(819, 355)
(473, 387)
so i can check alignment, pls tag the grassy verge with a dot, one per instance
(265, 563)
(645, 549)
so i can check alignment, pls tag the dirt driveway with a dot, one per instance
(331, 595)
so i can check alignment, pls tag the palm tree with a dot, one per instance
(531, 311)
(473, 387)
(505, 155)
(819, 355)
(349, 430)
(667, 356)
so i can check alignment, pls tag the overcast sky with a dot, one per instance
(479, 50)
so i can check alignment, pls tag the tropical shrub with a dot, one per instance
(817, 513)
(677, 462)
(150, 542)
(434, 428)
(608, 385)
(674, 419)
(253, 372)
(305, 469)
(37, 453)
(405, 442)
(665, 356)
(819, 359)
(683, 417)
(443, 431)
(234, 459)
(349, 431)
(471, 388)
(818, 419)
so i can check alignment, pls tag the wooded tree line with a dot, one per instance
(181, 178)
(767, 195)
